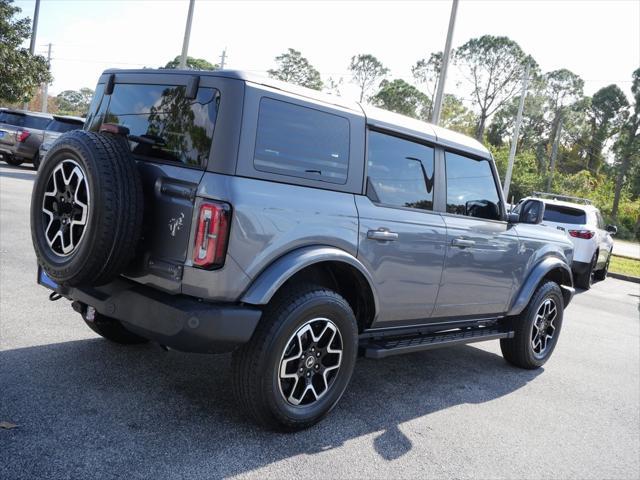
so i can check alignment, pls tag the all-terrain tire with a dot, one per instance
(114, 202)
(256, 365)
(520, 350)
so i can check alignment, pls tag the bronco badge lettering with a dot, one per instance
(175, 224)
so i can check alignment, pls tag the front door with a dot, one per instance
(482, 254)
(401, 240)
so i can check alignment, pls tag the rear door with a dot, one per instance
(401, 237)
(170, 137)
(483, 260)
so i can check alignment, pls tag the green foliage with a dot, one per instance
(192, 64)
(525, 178)
(367, 70)
(426, 73)
(74, 102)
(456, 116)
(296, 69)
(20, 72)
(401, 97)
(494, 67)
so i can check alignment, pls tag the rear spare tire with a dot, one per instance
(86, 209)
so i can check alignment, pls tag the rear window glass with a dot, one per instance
(163, 123)
(10, 118)
(560, 214)
(301, 142)
(61, 126)
(39, 123)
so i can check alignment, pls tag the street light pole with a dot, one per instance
(516, 133)
(187, 35)
(437, 107)
(45, 87)
(32, 43)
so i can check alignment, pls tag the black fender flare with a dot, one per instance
(535, 277)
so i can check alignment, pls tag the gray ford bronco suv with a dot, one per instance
(217, 212)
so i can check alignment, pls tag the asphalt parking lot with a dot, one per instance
(85, 408)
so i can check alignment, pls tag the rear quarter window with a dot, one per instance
(38, 123)
(10, 118)
(300, 141)
(163, 123)
(561, 214)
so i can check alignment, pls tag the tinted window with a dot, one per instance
(301, 142)
(10, 118)
(400, 172)
(471, 189)
(39, 123)
(61, 127)
(163, 123)
(560, 214)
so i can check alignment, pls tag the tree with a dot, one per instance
(192, 64)
(74, 102)
(20, 72)
(627, 146)
(455, 115)
(426, 72)
(333, 87)
(367, 70)
(494, 66)
(294, 68)
(400, 97)
(605, 115)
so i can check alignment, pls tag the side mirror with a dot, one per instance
(531, 211)
(612, 229)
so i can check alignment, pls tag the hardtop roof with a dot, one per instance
(376, 117)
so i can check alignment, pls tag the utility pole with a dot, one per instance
(516, 133)
(187, 35)
(32, 43)
(45, 87)
(222, 58)
(437, 107)
(554, 153)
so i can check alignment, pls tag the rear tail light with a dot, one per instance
(212, 235)
(586, 234)
(22, 135)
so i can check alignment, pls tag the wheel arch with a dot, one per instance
(327, 266)
(549, 268)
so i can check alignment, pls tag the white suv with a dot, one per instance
(585, 227)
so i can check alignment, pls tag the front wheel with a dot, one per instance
(536, 329)
(298, 363)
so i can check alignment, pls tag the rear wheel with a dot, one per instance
(585, 280)
(299, 361)
(602, 274)
(16, 162)
(536, 329)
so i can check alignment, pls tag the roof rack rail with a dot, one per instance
(555, 196)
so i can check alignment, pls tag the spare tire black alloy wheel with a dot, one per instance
(65, 207)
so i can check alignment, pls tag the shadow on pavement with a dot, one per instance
(20, 173)
(89, 408)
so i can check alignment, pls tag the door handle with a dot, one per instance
(382, 234)
(462, 243)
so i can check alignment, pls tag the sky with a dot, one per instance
(596, 39)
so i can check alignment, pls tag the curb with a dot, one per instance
(628, 278)
(626, 256)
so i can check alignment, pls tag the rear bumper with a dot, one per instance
(177, 321)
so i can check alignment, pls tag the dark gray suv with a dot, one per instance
(215, 212)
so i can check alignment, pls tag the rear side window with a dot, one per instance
(561, 214)
(39, 123)
(471, 188)
(301, 142)
(163, 123)
(400, 172)
(11, 118)
(62, 126)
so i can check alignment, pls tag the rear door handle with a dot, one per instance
(382, 234)
(462, 243)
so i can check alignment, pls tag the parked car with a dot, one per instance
(216, 211)
(59, 125)
(585, 227)
(21, 134)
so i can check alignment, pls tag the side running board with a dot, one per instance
(385, 347)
